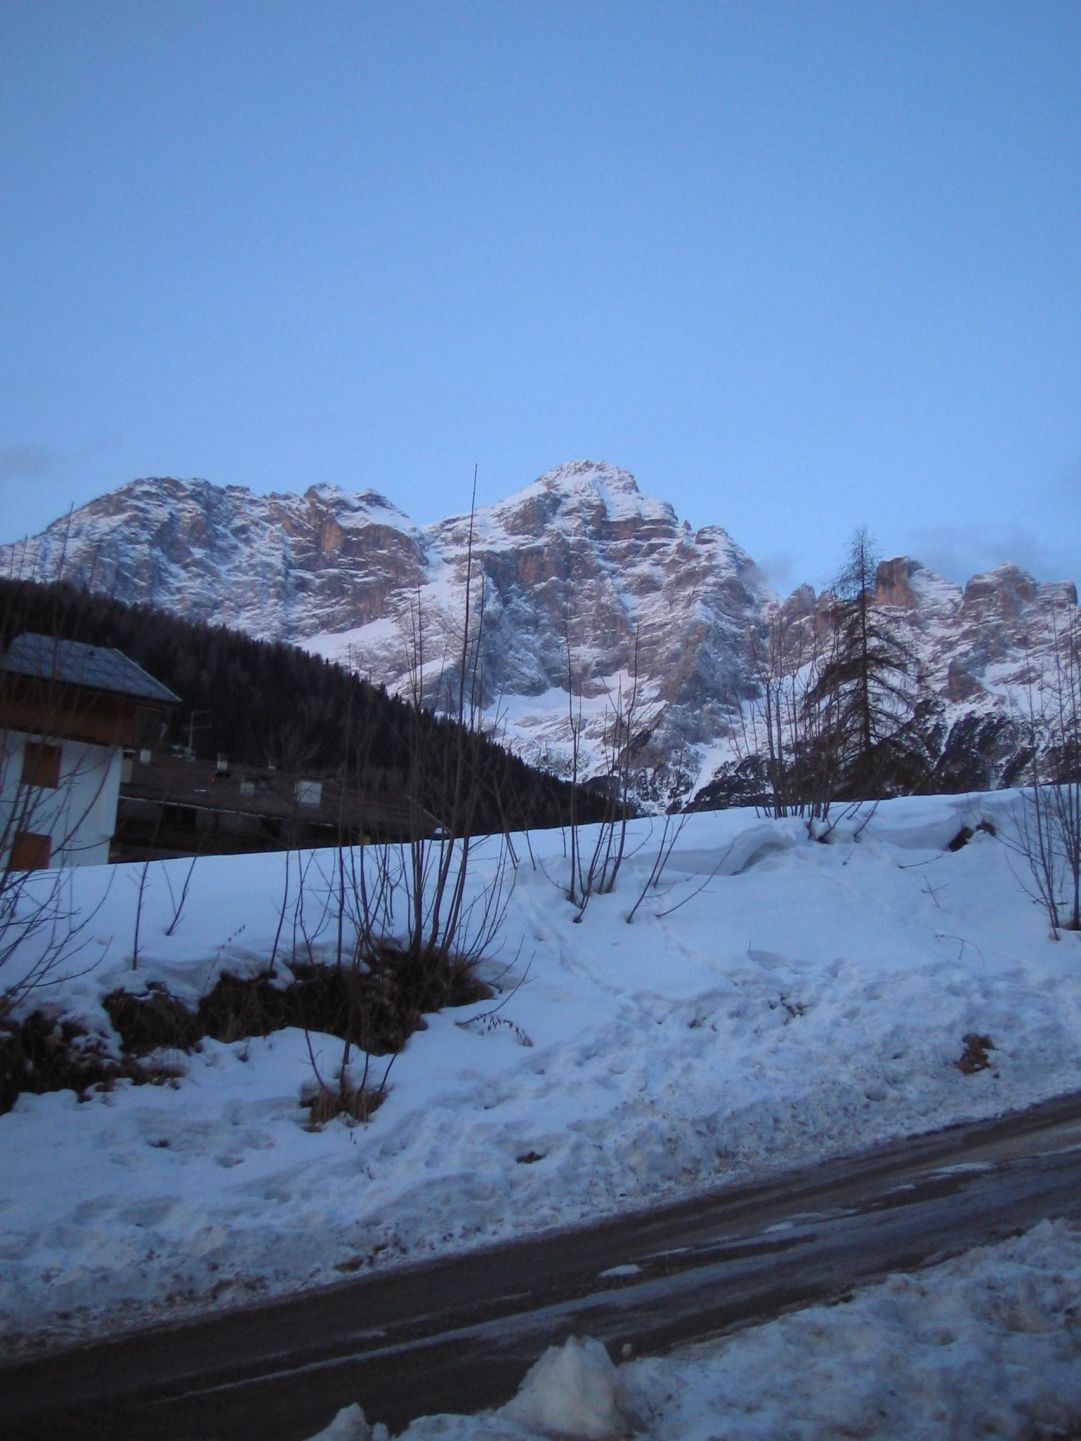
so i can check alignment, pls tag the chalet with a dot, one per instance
(176, 805)
(68, 711)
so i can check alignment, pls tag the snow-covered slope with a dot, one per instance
(589, 590)
(775, 999)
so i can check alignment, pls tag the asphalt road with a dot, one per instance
(459, 1334)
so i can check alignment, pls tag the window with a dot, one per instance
(181, 818)
(30, 851)
(41, 764)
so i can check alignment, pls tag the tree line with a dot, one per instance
(845, 713)
(260, 703)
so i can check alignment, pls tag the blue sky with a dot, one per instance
(798, 266)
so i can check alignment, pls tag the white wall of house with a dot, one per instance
(78, 814)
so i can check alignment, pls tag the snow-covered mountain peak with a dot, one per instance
(352, 510)
(587, 499)
(326, 496)
(909, 584)
(585, 581)
(597, 474)
(601, 491)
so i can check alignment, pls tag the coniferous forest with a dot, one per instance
(258, 702)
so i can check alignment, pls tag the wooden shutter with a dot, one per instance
(30, 851)
(41, 765)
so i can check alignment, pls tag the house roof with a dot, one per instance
(94, 667)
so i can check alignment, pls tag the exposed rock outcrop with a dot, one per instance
(583, 583)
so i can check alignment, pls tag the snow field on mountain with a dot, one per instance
(775, 999)
(579, 554)
(988, 1344)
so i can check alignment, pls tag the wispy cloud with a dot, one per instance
(26, 462)
(960, 552)
(779, 569)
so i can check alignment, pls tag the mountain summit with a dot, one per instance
(586, 591)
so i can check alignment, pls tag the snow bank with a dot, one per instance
(986, 1345)
(573, 1390)
(350, 1424)
(776, 999)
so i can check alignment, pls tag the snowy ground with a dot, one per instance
(775, 999)
(988, 1345)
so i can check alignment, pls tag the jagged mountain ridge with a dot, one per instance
(579, 577)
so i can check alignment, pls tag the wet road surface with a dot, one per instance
(459, 1334)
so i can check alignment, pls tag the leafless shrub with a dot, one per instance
(489, 1021)
(671, 829)
(179, 901)
(1046, 833)
(783, 734)
(355, 1103)
(596, 873)
(389, 910)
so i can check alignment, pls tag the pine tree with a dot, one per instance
(862, 702)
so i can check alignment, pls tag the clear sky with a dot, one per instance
(798, 266)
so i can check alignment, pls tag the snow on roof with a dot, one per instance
(95, 667)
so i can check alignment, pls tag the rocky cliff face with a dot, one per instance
(584, 593)
(276, 566)
(994, 635)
